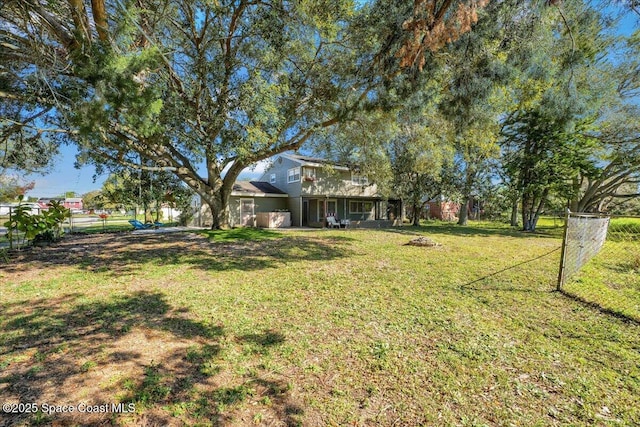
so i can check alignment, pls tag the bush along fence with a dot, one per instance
(25, 227)
(600, 262)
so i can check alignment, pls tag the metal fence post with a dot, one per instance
(9, 228)
(563, 251)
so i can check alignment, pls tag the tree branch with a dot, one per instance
(80, 19)
(100, 19)
(59, 31)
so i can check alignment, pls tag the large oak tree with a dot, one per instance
(205, 88)
(196, 87)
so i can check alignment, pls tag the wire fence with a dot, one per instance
(600, 262)
(96, 221)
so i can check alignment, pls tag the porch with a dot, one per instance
(361, 212)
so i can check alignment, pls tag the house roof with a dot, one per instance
(73, 199)
(314, 161)
(256, 189)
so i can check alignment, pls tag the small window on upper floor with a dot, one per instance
(309, 174)
(293, 175)
(357, 179)
(272, 178)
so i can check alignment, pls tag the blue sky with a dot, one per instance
(65, 177)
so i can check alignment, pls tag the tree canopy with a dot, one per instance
(12, 187)
(201, 88)
(195, 87)
(204, 89)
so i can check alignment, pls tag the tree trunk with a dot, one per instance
(100, 18)
(470, 177)
(526, 211)
(535, 216)
(514, 212)
(464, 211)
(532, 207)
(218, 205)
(403, 211)
(538, 212)
(574, 203)
(415, 216)
(214, 192)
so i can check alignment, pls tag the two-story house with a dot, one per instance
(73, 203)
(310, 189)
(316, 188)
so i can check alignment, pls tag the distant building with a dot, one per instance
(43, 202)
(73, 203)
(443, 209)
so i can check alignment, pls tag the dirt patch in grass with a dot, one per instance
(90, 355)
(133, 360)
(122, 254)
(103, 250)
(97, 327)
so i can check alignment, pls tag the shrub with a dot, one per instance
(43, 227)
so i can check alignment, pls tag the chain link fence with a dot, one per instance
(7, 212)
(83, 222)
(600, 262)
(77, 222)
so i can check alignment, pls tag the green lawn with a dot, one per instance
(314, 328)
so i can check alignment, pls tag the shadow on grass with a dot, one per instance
(100, 229)
(602, 309)
(244, 249)
(477, 287)
(625, 236)
(266, 339)
(242, 233)
(46, 322)
(160, 360)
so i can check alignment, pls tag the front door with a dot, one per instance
(321, 211)
(246, 212)
(305, 213)
(332, 207)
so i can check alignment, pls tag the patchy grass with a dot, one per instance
(313, 328)
(239, 234)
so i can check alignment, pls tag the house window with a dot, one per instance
(272, 178)
(309, 174)
(357, 179)
(293, 175)
(360, 207)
